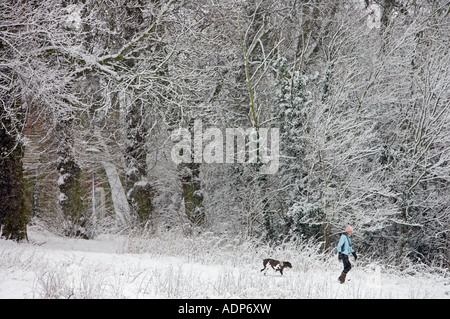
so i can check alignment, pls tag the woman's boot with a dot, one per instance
(342, 277)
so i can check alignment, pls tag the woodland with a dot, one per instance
(92, 93)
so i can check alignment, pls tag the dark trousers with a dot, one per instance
(347, 264)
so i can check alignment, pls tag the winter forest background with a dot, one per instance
(92, 90)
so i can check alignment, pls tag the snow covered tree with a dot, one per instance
(358, 90)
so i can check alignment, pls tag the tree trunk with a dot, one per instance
(118, 195)
(192, 193)
(72, 191)
(13, 217)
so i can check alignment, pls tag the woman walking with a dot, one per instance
(344, 249)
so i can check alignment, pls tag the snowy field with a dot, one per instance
(176, 267)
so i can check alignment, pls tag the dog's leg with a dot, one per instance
(264, 264)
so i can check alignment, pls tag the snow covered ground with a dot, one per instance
(49, 266)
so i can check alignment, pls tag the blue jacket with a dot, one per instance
(345, 245)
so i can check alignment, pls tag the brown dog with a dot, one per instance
(276, 265)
